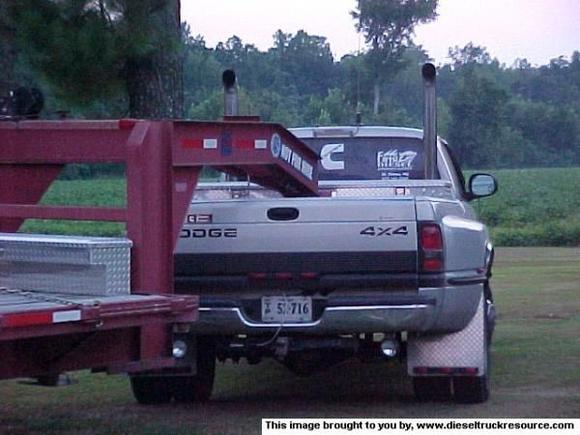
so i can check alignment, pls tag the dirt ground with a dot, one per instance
(535, 373)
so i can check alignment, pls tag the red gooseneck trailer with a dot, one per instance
(54, 315)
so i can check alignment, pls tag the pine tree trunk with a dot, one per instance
(8, 80)
(155, 79)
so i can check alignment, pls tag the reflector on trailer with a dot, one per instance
(257, 275)
(309, 275)
(40, 318)
(28, 319)
(283, 275)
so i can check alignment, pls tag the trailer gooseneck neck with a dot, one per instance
(163, 162)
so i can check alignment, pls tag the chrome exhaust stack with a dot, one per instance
(231, 106)
(430, 120)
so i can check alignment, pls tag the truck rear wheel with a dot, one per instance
(435, 388)
(151, 390)
(471, 390)
(198, 387)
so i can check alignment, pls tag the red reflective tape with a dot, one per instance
(28, 319)
(257, 275)
(188, 143)
(309, 275)
(244, 144)
(283, 275)
(127, 124)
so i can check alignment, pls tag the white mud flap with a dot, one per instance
(456, 354)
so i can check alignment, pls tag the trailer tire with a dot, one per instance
(151, 390)
(432, 389)
(50, 380)
(197, 388)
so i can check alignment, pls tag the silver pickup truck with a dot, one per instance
(387, 262)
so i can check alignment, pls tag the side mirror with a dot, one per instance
(482, 185)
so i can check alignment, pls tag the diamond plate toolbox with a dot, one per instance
(65, 264)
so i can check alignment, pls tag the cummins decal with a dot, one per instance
(282, 151)
(329, 158)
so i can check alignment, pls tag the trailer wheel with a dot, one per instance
(432, 389)
(151, 390)
(198, 388)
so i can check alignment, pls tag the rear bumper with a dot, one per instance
(431, 309)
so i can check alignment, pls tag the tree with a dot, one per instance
(201, 71)
(478, 111)
(154, 67)
(388, 27)
(7, 49)
(470, 54)
(88, 50)
(331, 110)
(305, 59)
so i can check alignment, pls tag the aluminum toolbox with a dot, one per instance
(65, 264)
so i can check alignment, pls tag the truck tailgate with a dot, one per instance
(331, 240)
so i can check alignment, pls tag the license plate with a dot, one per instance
(290, 309)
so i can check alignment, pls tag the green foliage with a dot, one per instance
(72, 47)
(88, 51)
(306, 57)
(331, 110)
(549, 234)
(548, 131)
(388, 27)
(97, 192)
(477, 107)
(534, 207)
(79, 52)
(209, 109)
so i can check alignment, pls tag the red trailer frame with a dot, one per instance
(163, 163)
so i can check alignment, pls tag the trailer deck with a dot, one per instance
(25, 314)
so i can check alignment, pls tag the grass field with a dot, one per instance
(535, 373)
(534, 207)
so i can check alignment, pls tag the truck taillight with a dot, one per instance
(431, 245)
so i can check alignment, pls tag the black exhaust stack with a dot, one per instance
(230, 93)
(430, 120)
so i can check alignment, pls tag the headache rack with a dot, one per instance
(61, 314)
